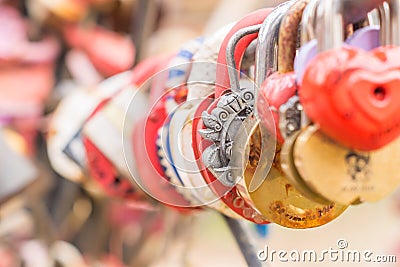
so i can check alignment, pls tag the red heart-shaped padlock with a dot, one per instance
(353, 95)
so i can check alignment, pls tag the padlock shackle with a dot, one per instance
(223, 82)
(288, 36)
(336, 13)
(394, 20)
(266, 52)
(230, 54)
(308, 21)
(389, 23)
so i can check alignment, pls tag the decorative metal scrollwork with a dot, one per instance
(222, 124)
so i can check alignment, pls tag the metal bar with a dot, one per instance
(243, 239)
(143, 24)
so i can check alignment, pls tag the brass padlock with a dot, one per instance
(343, 175)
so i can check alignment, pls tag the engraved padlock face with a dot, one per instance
(280, 201)
(344, 175)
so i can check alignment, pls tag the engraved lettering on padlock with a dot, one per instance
(280, 209)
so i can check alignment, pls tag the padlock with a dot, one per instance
(64, 142)
(106, 163)
(201, 80)
(165, 95)
(348, 176)
(333, 171)
(363, 118)
(220, 121)
(201, 84)
(274, 195)
(175, 95)
(239, 38)
(231, 52)
(222, 72)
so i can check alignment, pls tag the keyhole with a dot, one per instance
(380, 93)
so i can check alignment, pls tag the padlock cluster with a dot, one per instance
(288, 116)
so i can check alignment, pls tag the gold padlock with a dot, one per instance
(344, 175)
